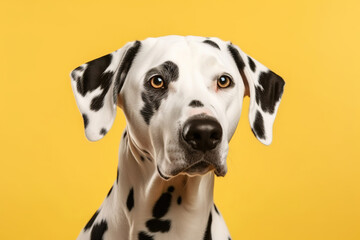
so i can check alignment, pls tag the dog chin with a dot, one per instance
(198, 168)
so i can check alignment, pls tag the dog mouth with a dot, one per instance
(202, 167)
(198, 168)
(190, 162)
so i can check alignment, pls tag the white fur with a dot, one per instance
(199, 66)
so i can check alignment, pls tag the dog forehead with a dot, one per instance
(181, 49)
(190, 54)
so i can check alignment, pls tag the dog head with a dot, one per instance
(182, 98)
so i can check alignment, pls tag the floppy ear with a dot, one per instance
(96, 85)
(265, 88)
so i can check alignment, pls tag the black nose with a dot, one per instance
(202, 134)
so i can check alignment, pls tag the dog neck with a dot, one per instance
(150, 205)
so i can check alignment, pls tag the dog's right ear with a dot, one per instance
(96, 85)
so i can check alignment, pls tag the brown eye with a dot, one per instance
(157, 82)
(224, 81)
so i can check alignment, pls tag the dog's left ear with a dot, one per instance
(96, 85)
(265, 88)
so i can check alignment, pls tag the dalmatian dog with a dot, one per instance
(182, 99)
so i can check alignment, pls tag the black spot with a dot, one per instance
(212, 43)
(109, 191)
(98, 230)
(207, 235)
(103, 131)
(144, 236)
(216, 210)
(91, 221)
(147, 111)
(125, 67)
(252, 64)
(125, 133)
(94, 76)
(117, 176)
(156, 225)
(239, 63)
(179, 200)
(162, 205)
(142, 158)
(236, 56)
(86, 120)
(273, 86)
(229, 238)
(130, 200)
(196, 103)
(98, 101)
(152, 97)
(171, 189)
(258, 127)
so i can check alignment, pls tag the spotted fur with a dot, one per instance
(164, 184)
(153, 97)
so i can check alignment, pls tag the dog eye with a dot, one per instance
(157, 81)
(224, 81)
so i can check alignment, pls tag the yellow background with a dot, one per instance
(306, 185)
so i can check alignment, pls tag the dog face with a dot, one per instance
(182, 98)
